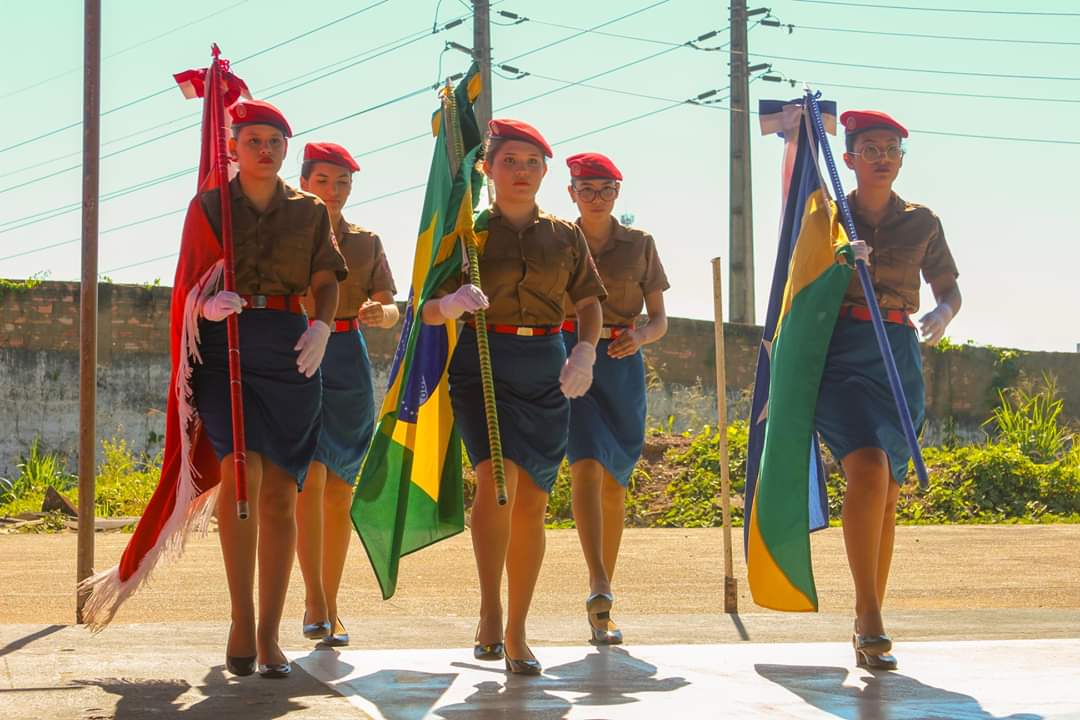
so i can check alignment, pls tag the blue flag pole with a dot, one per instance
(871, 298)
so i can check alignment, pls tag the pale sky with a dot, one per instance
(1007, 205)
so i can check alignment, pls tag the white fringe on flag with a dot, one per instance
(191, 510)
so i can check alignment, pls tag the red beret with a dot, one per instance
(331, 153)
(855, 121)
(259, 112)
(592, 165)
(507, 129)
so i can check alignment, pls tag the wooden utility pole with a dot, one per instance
(731, 594)
(88, 292)
(482, 55)
(740, 214)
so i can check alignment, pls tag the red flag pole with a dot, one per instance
(215, 89)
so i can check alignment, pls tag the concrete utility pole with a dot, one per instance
(740, 214)
(482, 55)
(88, 293)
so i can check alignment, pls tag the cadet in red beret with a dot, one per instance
(607, 423)
(283, 248)
(856, 415)
(530, 263)
(365, 298)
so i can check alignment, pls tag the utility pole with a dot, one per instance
(88, 294)
(740, 213)
(482, 55)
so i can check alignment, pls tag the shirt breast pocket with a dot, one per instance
(292, 260)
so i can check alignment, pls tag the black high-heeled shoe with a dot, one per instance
(870, 661)
(275, 671)
(337, 639)
(316, 630)
(239, 665)
(598, 611)
(871, 644)
(487, 651)
(527, 666)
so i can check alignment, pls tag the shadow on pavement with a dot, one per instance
(27, 639)
(218, 696)
(884, 696)
(605, 678)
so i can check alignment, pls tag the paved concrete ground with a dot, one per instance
(163, 656)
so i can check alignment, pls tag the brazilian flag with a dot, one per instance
(785, 489)
(409, 494)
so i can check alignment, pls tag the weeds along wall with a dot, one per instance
(39, 371)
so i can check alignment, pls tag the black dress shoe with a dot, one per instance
(529, 666)
(240, 666)
(488, 651)
(870, 661)
(274, 671)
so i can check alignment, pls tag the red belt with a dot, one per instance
(608, 332)
(288, 303)
(861, 312)
(525, 330)
(340, 326)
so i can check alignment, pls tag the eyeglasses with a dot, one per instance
(872, 153)
(588, 194)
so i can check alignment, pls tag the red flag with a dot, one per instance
(185, 495)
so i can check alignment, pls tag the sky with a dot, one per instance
(992, 102)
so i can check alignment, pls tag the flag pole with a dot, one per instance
(487, 381)
(871, 298)
(216, 97)
(731, 588)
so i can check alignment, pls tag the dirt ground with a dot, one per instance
(662, 572)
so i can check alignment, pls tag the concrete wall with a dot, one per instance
(39, 370)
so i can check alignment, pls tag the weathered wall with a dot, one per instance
(39, 370)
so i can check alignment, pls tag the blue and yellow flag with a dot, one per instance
(409, 494)
(785, 489)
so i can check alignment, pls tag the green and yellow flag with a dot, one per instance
(409, 494)
(785, 485)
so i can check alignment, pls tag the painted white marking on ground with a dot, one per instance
(977, 680)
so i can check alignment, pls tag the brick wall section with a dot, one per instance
(39, 345)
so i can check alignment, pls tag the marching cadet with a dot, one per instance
(283, 246)
(365, 298)
(856, 414)
(607, 423)
(530, 262)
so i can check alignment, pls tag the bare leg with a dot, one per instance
(888, 535)
(337, 532)
(238, 540)
(614, 502)
(489, 524)
(867, 472)
(586, 484)
(309, 542)
(524, 556)
(277, 543)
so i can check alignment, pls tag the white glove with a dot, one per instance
(576, 375)
(222, 305)
(312, 347)
(933, 324)
(862, 251)
(467, 298)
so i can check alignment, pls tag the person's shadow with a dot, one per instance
(610, 676)
(885, 696)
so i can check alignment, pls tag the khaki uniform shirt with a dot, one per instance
(630, 270)
(908, 240)
(526, 274)
(276, 252)
(369, 271)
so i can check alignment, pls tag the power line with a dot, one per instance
(139, 44)
(136, 101)
(942, 92)
(941, 9)
(963, 38)
(561, 26)
(931, 71)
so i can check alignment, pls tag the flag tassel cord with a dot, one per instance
(487, 381)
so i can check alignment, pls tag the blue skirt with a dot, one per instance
(855, 407)
(533, 413)
(607, 424)
(281, 406)
(348, 405)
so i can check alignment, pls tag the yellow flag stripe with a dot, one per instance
(769, 586)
